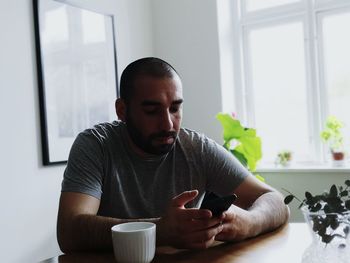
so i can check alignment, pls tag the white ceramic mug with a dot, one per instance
(134, 242)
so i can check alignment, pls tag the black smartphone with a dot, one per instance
(217, 204)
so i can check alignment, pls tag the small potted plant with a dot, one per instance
(284, 158)
(333, 137)
(328, 217)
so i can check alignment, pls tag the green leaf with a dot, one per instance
(260, 178)
(334, 224)
(347, 182)
(232, 128)
(288, 199)
(327, 238)
(248, 144)
(251, 148)
(249, 132)
(316, 208)
(333, 192)
(344, 193)
(308, 195)
(322, 229)
(252, 145)
(319, 225)
(327, 209)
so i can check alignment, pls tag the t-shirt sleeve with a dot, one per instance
(223, 171)
(84, 172)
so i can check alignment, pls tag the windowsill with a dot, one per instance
(304, 168)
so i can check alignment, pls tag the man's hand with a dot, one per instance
(188, 228)
(265, 214)
(236, 225)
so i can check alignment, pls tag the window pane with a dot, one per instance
(336, 40)
(253, 5)
(279, 88)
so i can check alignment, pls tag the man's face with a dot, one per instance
(154, 113)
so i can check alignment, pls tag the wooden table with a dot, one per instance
(286, 245)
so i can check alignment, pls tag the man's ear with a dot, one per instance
(120, 109)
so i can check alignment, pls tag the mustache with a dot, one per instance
(163, 134)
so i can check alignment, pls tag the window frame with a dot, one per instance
(310, 13)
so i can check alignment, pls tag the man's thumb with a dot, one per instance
(183, 198)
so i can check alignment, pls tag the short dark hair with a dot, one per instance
(149, 66)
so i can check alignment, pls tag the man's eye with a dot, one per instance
(174, 109)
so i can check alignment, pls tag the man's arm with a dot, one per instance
(258, 209)
(80, 228)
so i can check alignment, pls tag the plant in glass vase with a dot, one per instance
(333, 137)
(242, 142)
(328, 218)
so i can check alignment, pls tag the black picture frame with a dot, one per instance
(77, 73)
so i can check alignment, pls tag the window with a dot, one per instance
(293, 59)
(253, 5)
(335, 40)
(273, 46)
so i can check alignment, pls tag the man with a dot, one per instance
(145, 167)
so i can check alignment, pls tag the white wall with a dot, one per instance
(186, 35)
(29, 192)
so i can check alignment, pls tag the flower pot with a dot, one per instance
(330, 237)
(338, 156)
(338, 159)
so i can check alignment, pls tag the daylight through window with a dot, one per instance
(295, 66)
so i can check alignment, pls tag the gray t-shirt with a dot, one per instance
(102, 164)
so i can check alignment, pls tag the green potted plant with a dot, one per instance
(242, 142)
(333, 137)
(284, 158)
(328, 217)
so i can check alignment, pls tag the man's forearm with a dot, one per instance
(268, 212)
(89, 232)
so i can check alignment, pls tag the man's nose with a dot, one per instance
(166, 122)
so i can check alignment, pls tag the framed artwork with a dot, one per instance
(77, 73)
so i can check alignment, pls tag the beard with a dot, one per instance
(148, 143)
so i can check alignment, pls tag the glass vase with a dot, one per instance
(330, 237)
